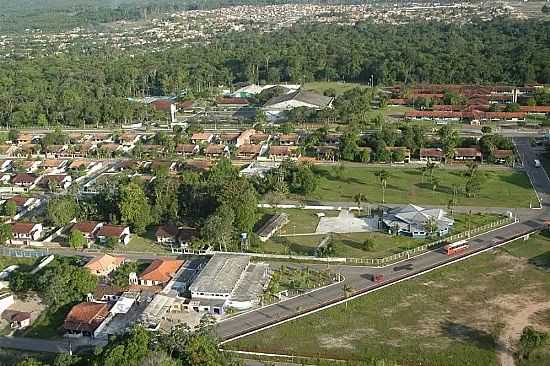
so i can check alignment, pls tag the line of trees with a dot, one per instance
(76, 89)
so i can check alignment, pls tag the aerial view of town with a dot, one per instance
(274, 183)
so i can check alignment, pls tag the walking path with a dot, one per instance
(512, 332)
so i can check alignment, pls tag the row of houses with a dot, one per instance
(163, 288)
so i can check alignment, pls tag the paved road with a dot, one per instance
(43, 345)
(359, 278)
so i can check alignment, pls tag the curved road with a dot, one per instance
(359, 278)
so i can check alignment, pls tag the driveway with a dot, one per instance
(346, 222)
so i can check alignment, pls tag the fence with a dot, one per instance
(361, 261)
(425, 247)
(28, 253)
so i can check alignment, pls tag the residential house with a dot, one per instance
(166, 105)
(84, 165)
(170, 234)
(27, 166)
(333, 139)
(199, 165)
(214, 151)
(128, 139)
(202, 137)
(62, 181)
(467, 153)
(21, 202)
(54, 151)
(109, 149)
(87, 228)
(259, 138)
(101, 138)
(27, 149)
(26, 231)
(54, 165)
(118, 232)
(244, 137)
(7, 150)
(24, 139)
(283, 152)
(24, 180)
(229, 138)
(85, 318)
(327, 152)
(399, 149)
(227, 103)
(186, 150)
(107, 294)
(104, 264)
(17, 319)
(160, 272)
(503, 156)
(417, 222)
(248, 151)
(290, 139)
(432, 154)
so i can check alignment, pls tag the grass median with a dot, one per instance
(453, 316)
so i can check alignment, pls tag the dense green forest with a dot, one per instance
(92, 88)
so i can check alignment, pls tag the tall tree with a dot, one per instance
(134, 207)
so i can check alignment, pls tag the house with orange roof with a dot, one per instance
(85, 318)
(160, 272)
(104, 264)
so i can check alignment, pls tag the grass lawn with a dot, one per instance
(351, 245)
(339, 87)
(300, 221)
(141, 244)
(501, 188)
(25, 264)
(47, 325)
(452, 316)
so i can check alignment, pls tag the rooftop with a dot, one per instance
(221, 274)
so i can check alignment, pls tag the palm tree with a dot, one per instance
(348, 291)
(430, 166)
(383, 177)
(359, 198)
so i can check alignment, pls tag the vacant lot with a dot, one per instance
(454, 316)
(300, 221)
(351, 245)
(500, 188)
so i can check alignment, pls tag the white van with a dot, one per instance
(537, 163)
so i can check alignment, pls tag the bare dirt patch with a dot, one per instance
(515, 322)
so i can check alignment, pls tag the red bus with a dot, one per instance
(458, 247)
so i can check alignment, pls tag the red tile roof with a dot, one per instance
(86, 227)
(468, 151)
(22, 227)
(232, 101)
(23, 178)
(161, 270)
(111, 230)
(433, 153)
(86, 316)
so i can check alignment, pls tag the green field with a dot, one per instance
(453, 316)
(351, 245)
(500, 188)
